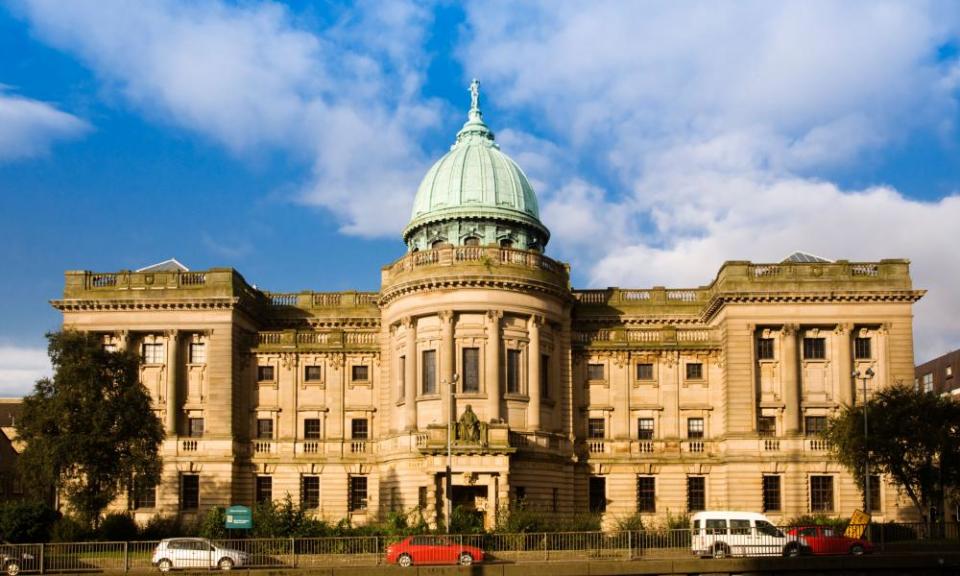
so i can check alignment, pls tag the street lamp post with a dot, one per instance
(866, 430)
(448, 508)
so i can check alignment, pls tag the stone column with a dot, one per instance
(410, 383)
(845, 363)
(172, 370)
(791, 381)
(492, 368)
(447, 362)
(533, 372)
(123, 340)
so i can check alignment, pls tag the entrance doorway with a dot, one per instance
(469, 507)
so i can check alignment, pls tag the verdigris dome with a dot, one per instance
(475, 194)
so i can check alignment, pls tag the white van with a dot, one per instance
(723, 533)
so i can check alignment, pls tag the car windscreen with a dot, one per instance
(767, 529)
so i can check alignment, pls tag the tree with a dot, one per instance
(913, 437)
(90, 429)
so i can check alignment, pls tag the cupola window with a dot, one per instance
(437, 244)
(506, 243)
(471, 241)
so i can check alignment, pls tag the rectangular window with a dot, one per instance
(513, 371)
(645, 371)
(596, 428)
(198, 353)
(422, 498)
(556, 500)
(358, 429)
(311, 429)
(646, 494)
(189, 491)
(598, 494)
(767, 426)
(874, 494)
(360, 373)
(927, 381)
(544, 376)
(771, 493)
(814, 348)
(152, 353)
(645, 428)
(694, 427)
(265, 374)
(358, 493)
(195, 427)
(519, 494)
(143, 495)
(694, 371)
(948, 372)
(861, 348)
(402, 378)
(765, 349)
(264, 428)
(429, 367)
(814, 425)
(696, 493)
(264, 489)
(821, 493)
(310, 492)
(312, 374)
(471, 369)
(595, 372)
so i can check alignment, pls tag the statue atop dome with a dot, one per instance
(475, 96)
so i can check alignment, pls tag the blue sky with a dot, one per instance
(287, 140)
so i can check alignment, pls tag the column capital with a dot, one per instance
(171, 333)
(790, 329)
(408, 322)
(535, 320)
(843, 328)
(494, 315)
(445, 316)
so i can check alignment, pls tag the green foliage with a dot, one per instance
(89, 429)
(286, 519)
(26, 521)
(466, 521)
(818, 520)
(629, 523)
(521, 519)
(69, 529)
(118, 527)
(212, 525)
(159, 527)
(913, 438)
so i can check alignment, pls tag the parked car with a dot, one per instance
(432, 550)
(175, 553)
(828, 540)
(723, 533)
(14, 559)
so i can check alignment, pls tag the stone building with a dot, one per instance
(622, 401)
(937, 375)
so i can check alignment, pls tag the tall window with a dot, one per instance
(544, 376)
(513, 371)
(152, 353)
(358, 493)
(596, 428)
(264, 489)
(312, 373)
(874, 493)
(360, 373)
(771, 493)
(767, 426)
(310, 492)
(195, 427)
(696, 493)
(471, 370)
(142, 494)
(358, 429)
(927, 381)
(765, 348)
(189, 491)
(198, 353)
(555, 503)
(861, 348)
(595, 372)
(814, 425)
(264, 428)
(694, 371)
(814, 348)
(694, 427)
(265, 374)
(402, 378)
(429, 367)
(311, 429)
(598, 494)
(645, 371)
(821, 493)
(645, 428)
(646, 494)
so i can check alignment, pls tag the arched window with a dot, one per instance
(437, 244)
(471, 241)
(506, 243)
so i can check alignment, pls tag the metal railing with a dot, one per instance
(710, 540)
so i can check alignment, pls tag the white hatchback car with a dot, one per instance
(720, 534)
(174, 553)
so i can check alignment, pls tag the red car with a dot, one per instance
(827, 540)
(432, 550)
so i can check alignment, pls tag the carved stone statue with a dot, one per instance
(475, 95)
(468, 428)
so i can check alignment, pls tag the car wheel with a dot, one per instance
(465, 559)
(856, 550)
(721, 551)
(405, 561)
(792, 550)
(12, 568)
(165, 565)
(225, 564)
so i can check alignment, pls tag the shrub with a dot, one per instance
(818, 520)
(212, 525)
(630, 523)
(26, 521)
(69, 529)
(159, 527)
(118, 527)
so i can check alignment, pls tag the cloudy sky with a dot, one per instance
(287, 140)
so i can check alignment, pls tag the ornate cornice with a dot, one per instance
(454, 282)
(720, 300)
(171, 304)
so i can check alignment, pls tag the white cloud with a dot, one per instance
(253, 78)
(30, 127)
(711, 124)
(20, 368)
